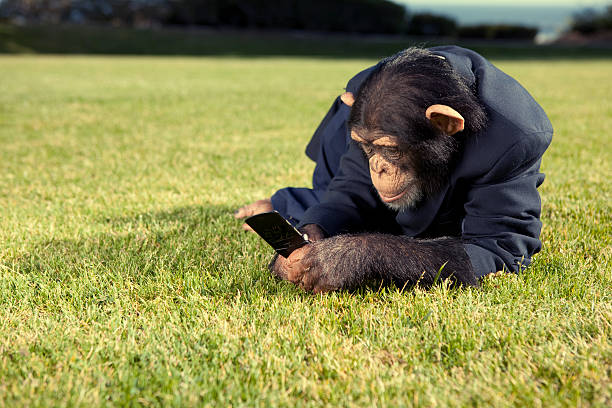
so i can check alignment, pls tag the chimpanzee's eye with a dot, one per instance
(367, 149)
(392, 152)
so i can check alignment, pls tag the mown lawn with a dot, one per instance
(125, 279)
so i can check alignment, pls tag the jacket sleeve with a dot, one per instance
(350, 203)
(501, 228)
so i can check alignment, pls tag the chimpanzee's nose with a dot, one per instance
(377, 165)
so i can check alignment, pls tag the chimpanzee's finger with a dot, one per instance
(257, 207)
(295, 271)
(277, 267)
(239, 213)
(295, 268)
(310, 279)
(246, 211)
(322, 288)
(312, 272)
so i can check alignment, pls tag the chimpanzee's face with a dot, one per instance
(392, 173)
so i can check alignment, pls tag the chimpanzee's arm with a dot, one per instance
(348, 261)
(351, 203)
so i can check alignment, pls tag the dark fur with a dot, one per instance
(393, 101)
(397, 259)
(348, 261)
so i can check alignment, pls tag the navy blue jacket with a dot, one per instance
(491, 200)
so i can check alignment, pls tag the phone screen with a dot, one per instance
(277, 232)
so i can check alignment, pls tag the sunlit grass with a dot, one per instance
(125, 279)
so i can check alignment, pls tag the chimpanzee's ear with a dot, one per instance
(348, 98)
(445, 118)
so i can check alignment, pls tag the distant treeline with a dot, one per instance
(590, 21)
(363, 16)
(443, 26)
(354, 16)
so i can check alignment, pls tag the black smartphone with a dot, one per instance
(277, 232)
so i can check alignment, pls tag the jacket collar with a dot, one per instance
(416, 220)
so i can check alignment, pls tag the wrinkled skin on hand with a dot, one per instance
(320, 266)
(291, 268)
(257, 207)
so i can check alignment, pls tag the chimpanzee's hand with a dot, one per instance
(333, 264)
(291, 268)
(313, 231)
(257, 207)
(325, 265)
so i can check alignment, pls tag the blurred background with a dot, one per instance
(273, 27)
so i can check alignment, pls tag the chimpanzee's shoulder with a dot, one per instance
(517, 134)
(497, 91)
(518, 130)
(502, 151)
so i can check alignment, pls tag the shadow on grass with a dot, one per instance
(194, 249)
(199, 248)
(251, 43)
(187, 250)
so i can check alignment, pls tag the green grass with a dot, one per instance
(126, 281)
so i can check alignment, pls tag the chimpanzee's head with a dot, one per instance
(409, 117)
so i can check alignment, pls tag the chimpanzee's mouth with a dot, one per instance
(390, 199)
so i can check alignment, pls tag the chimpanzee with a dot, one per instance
(426, 168)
